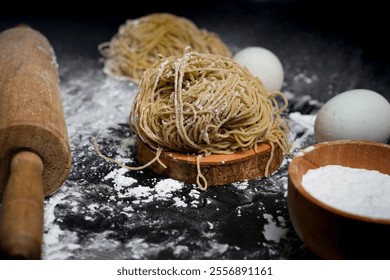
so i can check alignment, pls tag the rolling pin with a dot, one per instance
(35, 157)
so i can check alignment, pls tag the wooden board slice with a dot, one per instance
(218, 169)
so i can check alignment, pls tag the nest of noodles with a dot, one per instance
(140, 42)
(205, 103)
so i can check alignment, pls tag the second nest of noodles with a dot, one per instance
(205, 103)
(140, 42)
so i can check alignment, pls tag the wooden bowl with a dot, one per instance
(328, 232)
(217, 169)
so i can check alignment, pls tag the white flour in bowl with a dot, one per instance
(357, 191)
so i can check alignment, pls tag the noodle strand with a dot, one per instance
(140, 42)
(206, 104)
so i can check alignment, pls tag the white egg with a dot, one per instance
(354, 115)
(264, 64)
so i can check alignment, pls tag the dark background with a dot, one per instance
(341, 43)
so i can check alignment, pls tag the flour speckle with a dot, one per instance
(272, 232)
(241, 185)
(165, 188)
(302, 77)
(179, 202)
(119, 179)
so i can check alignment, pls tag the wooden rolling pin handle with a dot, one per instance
(21, 217)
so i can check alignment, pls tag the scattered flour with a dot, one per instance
(241, 185)
(303, 77)
(165, 188)
(302, 125)
(85, 98)
(124, 150)
(216, 248)
(307, 121)
(357, 191)
(179, 202)
(272, 232)
(179, 250)
(51, 247)
(119, 179)
(139, 192)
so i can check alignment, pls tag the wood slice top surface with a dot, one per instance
(217, 159)
(218, 169)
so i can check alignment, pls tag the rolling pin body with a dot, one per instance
(34, 147)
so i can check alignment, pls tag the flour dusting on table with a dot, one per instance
(104, 211)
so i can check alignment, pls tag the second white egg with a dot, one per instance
(355, 115)
(263, 64)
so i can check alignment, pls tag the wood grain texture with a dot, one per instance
(21, 218)
(34, 149)
(328, 232)
(218, 169)
(31, 113)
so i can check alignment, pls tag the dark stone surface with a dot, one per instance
(325, 49)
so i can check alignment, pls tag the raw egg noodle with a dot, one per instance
(140, 42)
(206, 104)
